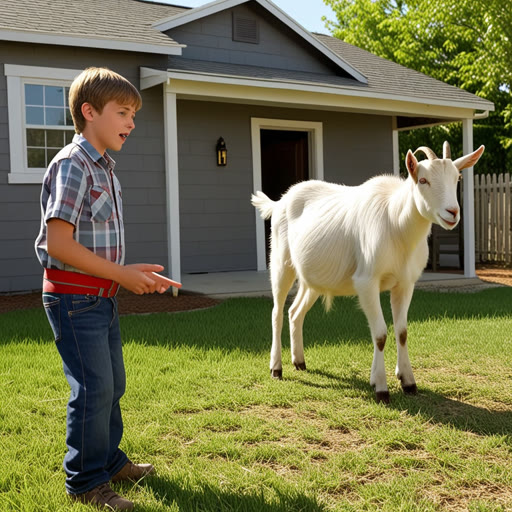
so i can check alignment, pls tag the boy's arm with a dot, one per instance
(62, 246)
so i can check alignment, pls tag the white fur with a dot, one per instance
(339, 240)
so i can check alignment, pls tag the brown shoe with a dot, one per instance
(133, 472)
(103, 497)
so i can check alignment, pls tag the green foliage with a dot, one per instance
(465, 43)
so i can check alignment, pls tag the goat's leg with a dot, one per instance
(282, 278)
(303, 302)
(369, 299)
(401, 296)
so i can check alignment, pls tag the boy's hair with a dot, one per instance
(98, 86)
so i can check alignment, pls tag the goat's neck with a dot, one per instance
(411, 226)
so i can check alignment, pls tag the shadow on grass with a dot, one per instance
(245, 323)
(207, 498)
(430, 405)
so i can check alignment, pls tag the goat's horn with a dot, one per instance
(447, 153)
(430, 154)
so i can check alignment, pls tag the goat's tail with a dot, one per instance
(264, 204)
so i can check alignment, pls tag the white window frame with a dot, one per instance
(17, 76)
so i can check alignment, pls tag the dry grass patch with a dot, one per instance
(459, 499)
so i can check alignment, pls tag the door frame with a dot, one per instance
(316, 164)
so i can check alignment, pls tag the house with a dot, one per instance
(289, 105)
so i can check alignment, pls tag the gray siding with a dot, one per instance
(140, 168)
(217, 219)
(210, 39)
(218, 231)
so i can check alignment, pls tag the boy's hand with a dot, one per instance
(164, 282)
(140, 278)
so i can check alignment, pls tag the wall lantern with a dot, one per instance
(222, 152)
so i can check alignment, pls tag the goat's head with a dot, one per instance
(435, 183)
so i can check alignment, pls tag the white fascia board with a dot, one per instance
(151, 77)
(84, 42)
(221, 5)
(315, 88)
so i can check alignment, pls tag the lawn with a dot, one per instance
(224, 436)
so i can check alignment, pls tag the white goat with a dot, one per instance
(340, 240)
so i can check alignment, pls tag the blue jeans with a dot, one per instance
(88, 339)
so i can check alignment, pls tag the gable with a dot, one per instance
(213, 26)
(276, 46)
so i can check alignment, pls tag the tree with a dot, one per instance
(466, 43)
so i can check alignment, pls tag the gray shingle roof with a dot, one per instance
(386, 77)
(262, 73)
(113, 20)
(129, 22)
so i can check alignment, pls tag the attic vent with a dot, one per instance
(245, 30)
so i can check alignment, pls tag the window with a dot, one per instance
(40, 122)
(48, 123)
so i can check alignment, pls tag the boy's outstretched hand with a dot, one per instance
(142, 278)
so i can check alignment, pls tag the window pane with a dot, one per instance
(69, 118)
(33, 94)
(69, 136)
(50, 154)
(36, 157)
(55, 138)
(53, 96)
(66, 92)
(35, 138)
(54, 116)
(35, 115)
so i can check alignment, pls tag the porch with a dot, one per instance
(257, 283)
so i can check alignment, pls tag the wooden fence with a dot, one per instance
(493, 236)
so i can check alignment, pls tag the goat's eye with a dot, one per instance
(423, 181)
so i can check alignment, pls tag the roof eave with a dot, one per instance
(160, 76)
(84, 42)
(220, 5)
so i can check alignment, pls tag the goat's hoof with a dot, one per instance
(300, 366)
(410, 390)
(382, 397)
(276, 374)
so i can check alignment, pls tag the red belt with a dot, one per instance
(62, 281)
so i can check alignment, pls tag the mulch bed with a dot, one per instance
(495, 274)
(130, 303)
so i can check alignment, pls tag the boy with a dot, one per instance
(81, 247)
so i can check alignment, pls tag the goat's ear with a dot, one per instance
(469, 160)
(412, 165)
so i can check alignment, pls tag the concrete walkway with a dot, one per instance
(254, 283)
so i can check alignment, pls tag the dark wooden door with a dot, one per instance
(284, 162)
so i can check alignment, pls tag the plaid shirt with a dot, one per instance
(80, 187)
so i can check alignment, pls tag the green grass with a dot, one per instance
(224, 436)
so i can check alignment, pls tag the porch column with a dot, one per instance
(172, 186)
(468, 202)
(396, 148)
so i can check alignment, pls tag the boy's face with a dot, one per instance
(110, 129)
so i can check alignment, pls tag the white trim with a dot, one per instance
(16, 77)
(468, 201)
(151, 77)
(172, 187)
(221, 5)
(396, 148)
(41, 72)
(83, 42)
(303, 86)
(316, 167)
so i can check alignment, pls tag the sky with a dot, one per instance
(307, 13)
